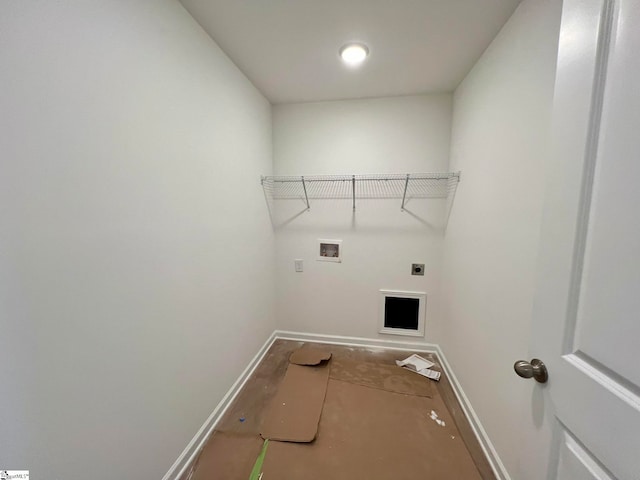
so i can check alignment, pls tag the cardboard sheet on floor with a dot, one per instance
(308, 355)
(375, 434)
(384, 377)
(228, 456)
(294, 413)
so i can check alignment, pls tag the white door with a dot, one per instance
(587, 307)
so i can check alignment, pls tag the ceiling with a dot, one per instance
(289, 48)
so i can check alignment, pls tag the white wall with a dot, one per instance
(500, 130)
(136, 252)
(384, 135)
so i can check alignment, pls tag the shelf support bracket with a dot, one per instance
(404, 195)
(304, 187)
(353, 183)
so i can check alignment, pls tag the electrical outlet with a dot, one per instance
(299, 265)
(417, 269)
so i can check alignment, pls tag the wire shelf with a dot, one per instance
(356, 187)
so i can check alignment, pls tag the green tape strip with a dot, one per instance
(257, 467)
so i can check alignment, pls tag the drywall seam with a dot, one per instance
(487, 447)
(188, 456)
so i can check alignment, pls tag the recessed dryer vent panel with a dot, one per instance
(402, 313)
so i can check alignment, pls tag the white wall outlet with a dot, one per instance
(299, 265)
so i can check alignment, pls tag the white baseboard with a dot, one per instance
(487, 447)
(357, 341)
(188, 456)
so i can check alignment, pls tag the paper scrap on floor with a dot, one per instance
(420, 365)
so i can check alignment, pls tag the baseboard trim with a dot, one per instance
(188, 456)
(487, 446)
(357, 341)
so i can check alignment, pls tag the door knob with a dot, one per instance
(535, 369)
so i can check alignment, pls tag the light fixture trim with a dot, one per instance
(354, 53)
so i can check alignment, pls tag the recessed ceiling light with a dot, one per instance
(354, 53)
